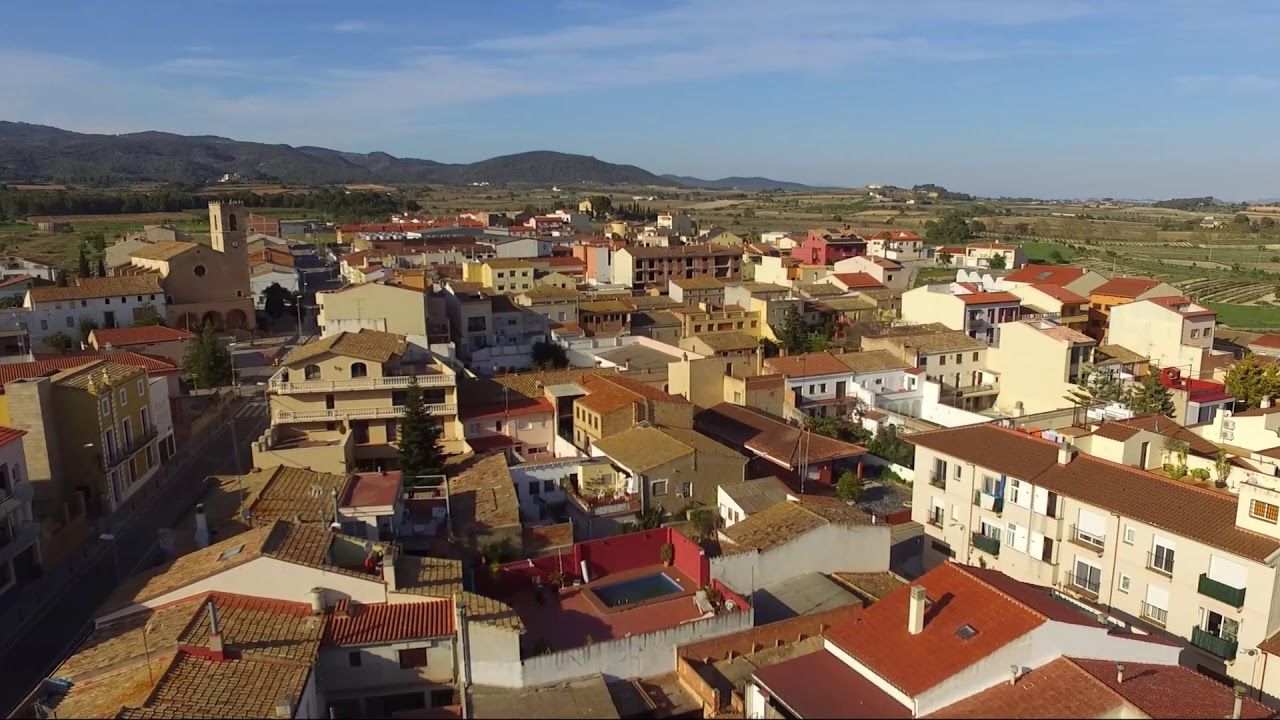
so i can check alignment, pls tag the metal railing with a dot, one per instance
(937, 480)
(1083, 584)
(1161, 564)
(111, 458)
(1154, 614)
(1087, 539)
(393, 382)
(394, 411)
(1220, 591)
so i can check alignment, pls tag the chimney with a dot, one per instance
(1066, 453)
(317, 601)
(389, 567)
(202, 527)
(216, 649)
(1237, 707)
(1119, 673)
(1014, 673)
(915, 611)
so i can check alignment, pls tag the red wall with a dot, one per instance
(728, 594)
(613, 555)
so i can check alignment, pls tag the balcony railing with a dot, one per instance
(117, 456)
(394, 411)
(965, 391)
(1207, 641)
(1154, 614)
(394, 382)
(1220, 591)
(935, 519)
(1083, 585)
(624, 504)
(988, 502)
(1087, 539)
(937, 480)
(986, 544)
(22, 494)
(1162, 564)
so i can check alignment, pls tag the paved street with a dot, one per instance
(40, 631)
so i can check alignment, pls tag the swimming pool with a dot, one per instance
(637, 590)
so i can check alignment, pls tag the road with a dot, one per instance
(34, 639)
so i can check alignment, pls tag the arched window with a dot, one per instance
(312, 372)
(359, 370)
(231, 223)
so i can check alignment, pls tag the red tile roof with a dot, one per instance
(807, 365)
(1170, 691)
(1046, 274)
(989, 298)
(857, 280)
(139, 335)
(8, 435)
(371, 489)
(16, 280)
(1126, 287)
(1057, 689)
(1004, 450)
(880, 639)
(518, 406)
(1182, 305)
(1269, 340)
(769, 435)
(358, 624)
(54, 364)
(820, 685)
(1061, 294)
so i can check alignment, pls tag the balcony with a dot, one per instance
(25, 537)
(22, 494)
(1214, 645)
(1162, 564)
(394, 382)
(380, 413)
(968, 391)
(1082, 585)
(988, 502)
(937, 480)
(935, 518)
(1219, 591)
(1155, 615)
(117, 456)
(605, 506)
(988, 545)
(1087, 540)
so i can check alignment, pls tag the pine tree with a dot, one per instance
(794, 334)
(82, 263)
(102, 267)
(1150, 397)
(420, 451)
(207, 361)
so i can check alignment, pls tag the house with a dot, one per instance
(272, 266)
(732, 344)
(1076, 279)
(1194, 401)
(483, 507)
(888, 273)
(557, 305)
(34, 267)
(358, 381)
(1267, 344)
(203, 285)
(768, 302)
(1039, 364)
(668, 467)
(20, 554)
(848, 282)
(897, 245)
(1120, 291)
(610, 404)
(970, 642)
(1056, 303)
(1149, 553)
(638, 267)
(707, 382)
(826, 246)
(962, 306)
(949, 357)
(742, 500)
(376, 306)
(1175, 331)
(102, 302)
(500, 275)
(168, 343)
(527, 412)
(840, 385)
(696, 291)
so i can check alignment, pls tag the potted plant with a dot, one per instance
(668, 554)
(715, 597)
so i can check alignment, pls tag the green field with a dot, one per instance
(1247, 317)
(1040, 252)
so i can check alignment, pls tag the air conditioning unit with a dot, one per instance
(1228, 424)
(1228, 435)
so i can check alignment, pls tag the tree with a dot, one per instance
(207, 360)
(794, 334)
(848, 487)
(977, 227)
(102, 267)
(1222, 467)
(62, 279)
(944, 258)
(1057, 258)
(951, 229)
(147, 315)
(1150, 397)
(888, 445)
(601, 205)
(275, 298)
(420, 451)
(839, 429)
(86, 325)
(82, 263)
(1249, 382)
(997, 262)
(1096, 386)
(60, 342)
(549, 356)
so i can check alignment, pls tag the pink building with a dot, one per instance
(826, 246)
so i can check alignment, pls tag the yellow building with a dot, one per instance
(353, 383)
(375, 306)
(500, 275)
(91, 438)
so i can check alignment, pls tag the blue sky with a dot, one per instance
(1051, 98)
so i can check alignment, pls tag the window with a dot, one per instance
(975, 356)
(142, 387)
(105, 405)
(1126, 583)
(548, 486)
(1195, 333)
(686, 489)
(124, 395)
(1264, 511)
(957, 472)
(535, 488)
(354, 658)
(942, 359)
(44, 324)
(658, 488)
(359, 370)
(1161, 558)
(312, 372)
(1130, 534)
(1018, 495)
(231, 223)
(413, 658)
(959, 358)
(71, 322)
(1086, 577)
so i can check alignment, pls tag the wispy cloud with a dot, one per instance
(1240, 83)
(354, 26)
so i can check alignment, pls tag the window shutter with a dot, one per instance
(1228, 572)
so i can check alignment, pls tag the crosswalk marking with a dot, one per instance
(253, 410)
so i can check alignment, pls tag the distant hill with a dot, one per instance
(38, 153)
(749, 184)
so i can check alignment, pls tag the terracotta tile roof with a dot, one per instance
(258, 627)
(1111, 354)
(528, 384)
(756, 495)
(769, 435)
(1006, 451)
(879, 638)
(352, 624)
(308, 544)
(788, 520)
(16, 280)
(871, 361)
(1183, 305)
(1126, 287)
(367, 344)
(196, 687)
(856, 280)
(642, 448)
(820, 685)
(297, 495)
(1057, 689)
(822, 289)
(807, 365)
(429, 576)
(163, 250)
(9, 434)
(139, 335)
(992, 246)
(483, 497)
(606, 393)
(371, 489)
(1046, 274)
(97, 374)
(989, 298)
(1161, 425)
(1170, 691)
(94, 287)
(847, 304)
(1061, 294)
(541, 538)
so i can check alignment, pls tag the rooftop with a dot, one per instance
(642, 448)
(727, 341)
(698, 283)
(1061, 294)
(373, 345)
(790, 519)
(353, 624)
(99, 374)
(1183, 305)
(163, 250)
(94, 287)
(856, 280)
(1058, 275)
(753, 496)
(483, 497)
(297, 495)
(371, 489)
(841, 692)
(989, 298)
(1125, 287)
(769, 435)
(139, 335)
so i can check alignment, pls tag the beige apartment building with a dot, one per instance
(639, 267)
(613, 404)
(1039, 364)
(343, 397)
(710, 318)
(1172, 331)
(948, 357)
(374, 306)
(500, 275)
(1141, 550)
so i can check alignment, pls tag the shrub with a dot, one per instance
(668, 553)
(1200, 473)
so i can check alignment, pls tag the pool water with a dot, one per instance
(637, 590)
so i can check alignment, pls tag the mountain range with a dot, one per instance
(39, 153)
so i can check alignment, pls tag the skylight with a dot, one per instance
(231, 552)
(964, 632)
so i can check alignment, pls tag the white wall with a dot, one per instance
(380, 666)
(861, 549)
(48, 318)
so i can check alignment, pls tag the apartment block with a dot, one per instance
(612, 404)
(500, 275)
(1121, 291)
(357, 383)
(1142, 550)
(1174, 331)
(640, 267)
(374, 306)
(965, 307)
(20, 556)
(949, 357)
(671, 468)
(1056, 303)
(825, 384)
(1039, 364)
